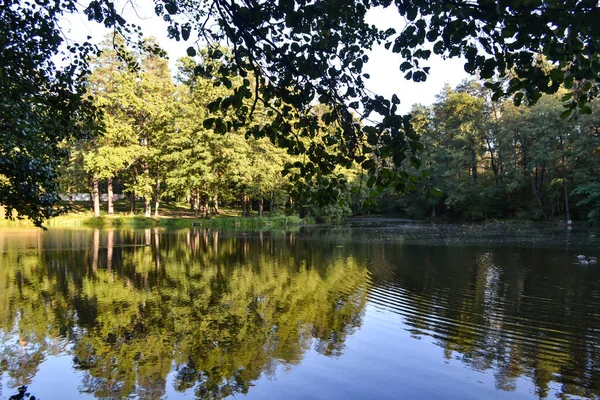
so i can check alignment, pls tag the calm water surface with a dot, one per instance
(369, 310)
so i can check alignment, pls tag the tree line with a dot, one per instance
(154, 143)
(485, 159)
(161, 138)
(294, 52)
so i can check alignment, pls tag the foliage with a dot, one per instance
(288, 55)
(42, 104)
(495, 160)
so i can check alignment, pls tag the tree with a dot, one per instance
(112, 86)
(41, 105)
(299, 52)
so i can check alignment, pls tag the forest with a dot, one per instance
(293, 77)
(477, 158)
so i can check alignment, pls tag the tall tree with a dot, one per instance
(300, 53)
(41, 105)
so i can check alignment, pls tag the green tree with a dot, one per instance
(42, 105)
(299, 53)
(112, 86)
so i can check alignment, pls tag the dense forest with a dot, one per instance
(162, 138)
(497, 160)
(295, 75)
(155, 144)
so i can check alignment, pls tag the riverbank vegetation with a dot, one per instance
(156, 146)
(293, 78)
(174, 215)
(476, 158)
(489, 159)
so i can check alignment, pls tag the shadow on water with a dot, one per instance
(210, 312)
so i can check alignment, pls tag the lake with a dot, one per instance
(373, 309)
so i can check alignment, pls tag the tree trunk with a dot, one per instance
(493, 162)
(196, 204)
(567, 207)
(565, 186)
(132, 203)
(111, 208)
(271, 204)
(474, 167)
(260, 207)
(110, 243)
(216, 200)
(147, 207)
(157, 199)
(96, 249)
(206, 213)
(537, 196)
(96, 195)
(244, 204)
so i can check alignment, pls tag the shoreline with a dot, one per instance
(136, 221)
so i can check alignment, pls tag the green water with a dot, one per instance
(369, 310)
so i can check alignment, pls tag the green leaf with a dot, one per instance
(371, 181)
(518, 98)
(208, 123)
(557, 75)
(567, 96)
(569, 82)
(435, 192)
(565, 114)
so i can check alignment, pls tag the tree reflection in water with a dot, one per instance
(136, 303)
(218, 310)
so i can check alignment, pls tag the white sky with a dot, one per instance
(383, 66)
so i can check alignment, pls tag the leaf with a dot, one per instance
(405, 65)
(435, 192)
(171, 7)
(518, 98)
(208, 123)
(567, 96)
(371, 181)
(569, 82)
(557, 75)
(368, 164)
(186, 29)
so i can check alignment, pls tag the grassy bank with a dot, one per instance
(175, 216)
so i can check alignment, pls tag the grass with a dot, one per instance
(173, 215)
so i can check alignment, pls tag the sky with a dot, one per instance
(383, 66)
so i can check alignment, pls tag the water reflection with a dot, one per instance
(136, 304)
(211, 313)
